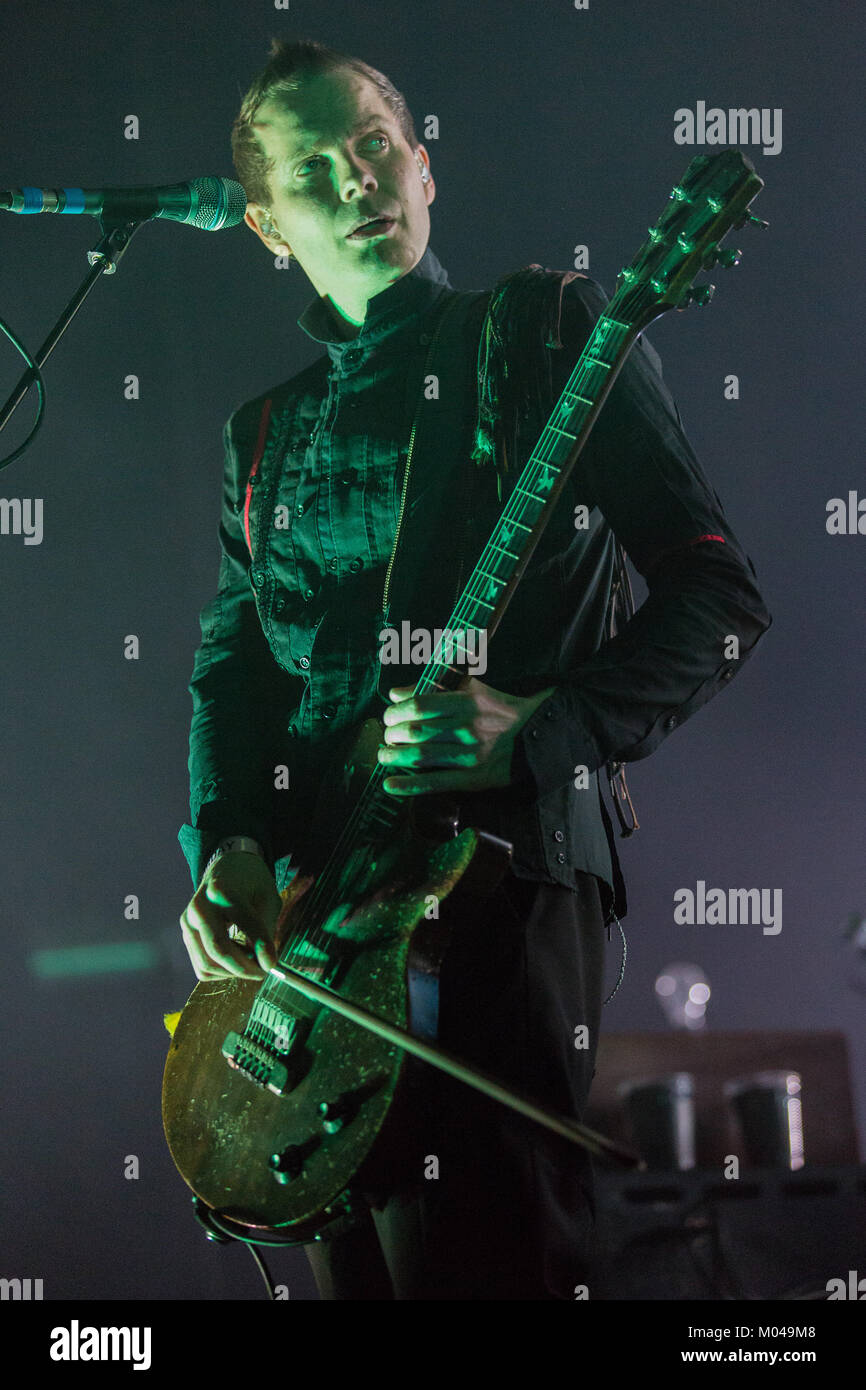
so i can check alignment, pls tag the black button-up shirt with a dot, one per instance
(313, 489)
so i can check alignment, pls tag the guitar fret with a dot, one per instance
(476, 598)
(503, 551)
(469, 593)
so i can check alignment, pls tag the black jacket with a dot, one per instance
(289, 656)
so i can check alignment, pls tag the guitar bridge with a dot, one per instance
(259, 1063)
(256, 1061)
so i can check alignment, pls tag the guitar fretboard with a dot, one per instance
(495, 576)
(485, 595)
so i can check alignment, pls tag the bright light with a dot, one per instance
(114, 957)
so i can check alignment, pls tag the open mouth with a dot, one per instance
(375, 227)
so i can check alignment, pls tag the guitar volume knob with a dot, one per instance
(334, 1114)
(287, 1165)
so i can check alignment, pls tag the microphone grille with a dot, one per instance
(217, 203)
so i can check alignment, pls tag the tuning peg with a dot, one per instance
(700, 295)
(725, 257)
(749, 217)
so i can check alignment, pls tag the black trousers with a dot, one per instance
(503, 1208)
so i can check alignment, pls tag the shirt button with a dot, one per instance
(280, 605)
(560, 859)
(304, 662)
(257, 576)
(671, 722)
(333, 564)
(356, 565)
(549, 714)
(533, 733)
(726, 675)
(308, 594)
(558, 836)
(253, 480)
(299, 509)
(328, 711)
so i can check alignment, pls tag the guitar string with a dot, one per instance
(367, 803)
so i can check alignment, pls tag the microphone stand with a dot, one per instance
(103, 259)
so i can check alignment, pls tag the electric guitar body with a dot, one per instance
(272, 1104)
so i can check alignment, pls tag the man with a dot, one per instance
(290, 659)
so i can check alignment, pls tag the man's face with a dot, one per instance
(340, 159)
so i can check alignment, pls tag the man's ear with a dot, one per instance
(423, 160)
(256, 217)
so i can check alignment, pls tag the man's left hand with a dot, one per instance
(456, 740)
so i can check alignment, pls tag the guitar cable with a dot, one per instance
(622, 963)
(221, 1230)
(219, 1234)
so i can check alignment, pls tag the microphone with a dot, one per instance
(209, 204)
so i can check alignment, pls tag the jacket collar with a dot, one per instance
(387, 312)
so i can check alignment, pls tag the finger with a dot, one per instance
(441, 704)
(213, 935)
(258, 933)
(430, 755)
(410, 784)
(259, 948)
(445, 729)
(204, 969)
(265, 955)
(213, 917)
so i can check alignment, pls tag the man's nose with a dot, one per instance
(357, 177)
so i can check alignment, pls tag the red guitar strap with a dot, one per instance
(257, 458)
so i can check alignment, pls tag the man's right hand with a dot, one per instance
(239, 889)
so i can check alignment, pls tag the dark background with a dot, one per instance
(556, 128)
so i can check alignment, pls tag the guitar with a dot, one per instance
(277, 1108)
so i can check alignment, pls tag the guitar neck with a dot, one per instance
(493, 582)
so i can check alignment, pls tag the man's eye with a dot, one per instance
(307, 162)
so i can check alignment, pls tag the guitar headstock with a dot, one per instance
(713, 196)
